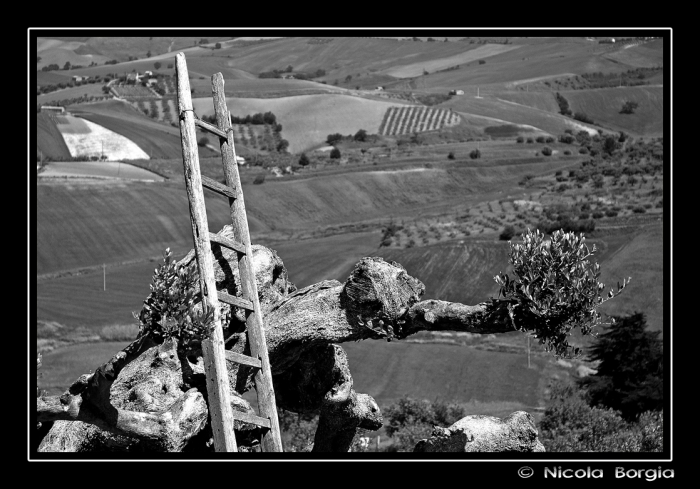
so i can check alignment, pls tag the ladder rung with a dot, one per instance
(251, 418)
(234, 245)
(232, 356)
(217, 187)
(235, 301)
(212, 129)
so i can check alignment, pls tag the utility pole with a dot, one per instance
(104, 278)
(528, 351)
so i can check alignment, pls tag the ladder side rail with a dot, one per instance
(271, 441)
(213, 346)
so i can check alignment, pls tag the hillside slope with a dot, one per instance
(49, 139)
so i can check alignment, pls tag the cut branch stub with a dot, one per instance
(378, 294)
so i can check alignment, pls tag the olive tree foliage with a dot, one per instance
(555, 288)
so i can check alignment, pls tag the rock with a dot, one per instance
(476, 433)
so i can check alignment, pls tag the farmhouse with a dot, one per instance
(151, 81)
(148, 73)
(379, 88)
(288, 77)
(456, 92)
(134, 77)
(77, 78)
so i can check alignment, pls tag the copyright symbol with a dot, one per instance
(525, 472)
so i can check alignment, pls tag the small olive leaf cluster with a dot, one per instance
(169, 309)
(383, 326)
(555, 289)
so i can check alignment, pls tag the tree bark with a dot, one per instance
(155, 394)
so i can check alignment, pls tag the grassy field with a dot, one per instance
(538, 100)
(83, 223)
(471, 54)
(308, 119)
(104, 169)
(87, 138)
(604, 105)
(543, 120)
(49, 139)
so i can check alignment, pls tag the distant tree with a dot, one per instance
(507, 233)
(630, 372)
(38, 58)
(204, 141)
(289, 68)
(282, 146)
(304, 160)
(157, 65)
(580, 116)
(629, 107)
(259, 179)
(360, 135)
(451, 155)
(217, 45)
(547, 151)
(148, 54)
(610, 144)
(348, 78)
(67, 65)
(520, 139)
(335, 153)
(332, 139)
(430, 39)
(474, 154)
(204, 41)
(481, 61)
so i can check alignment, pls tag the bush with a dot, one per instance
(530, 140)
(547, 151)
(332, 139)
(259, 179)
(507, 233)
(639, 210)
(597, 215)
(540, 139)
(451, 155)
(204, 141)
(474, 154)
(520, 139)
(304, 160)
(360, 135)
(567, 152)
(335, 153)
(482, 61)
(549, 139)
(580, 116)
(629, 107)
(610, 213)
(566, 138)
(583, 150)
(555, 285)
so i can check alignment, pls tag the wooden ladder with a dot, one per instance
(215, 355)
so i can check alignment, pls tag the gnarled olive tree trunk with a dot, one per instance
(152, 395)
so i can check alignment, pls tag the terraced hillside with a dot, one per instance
(410, 119)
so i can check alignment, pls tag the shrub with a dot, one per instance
(629, 107)
(332, 139)
(583, 215)
(549, 139)
(580, 116)
(507, 233)
(519, 139)
(474, 154)
(540, 139)
(481, 61)
(554, 288)
(259, 179)
(610, 213)
(639, 210)
(597, 215)
(451, 155)
(567, 152)
(360, 135)
(304, 160)
(530, 140)
(547, 151)
(566, 138)
(335, 154)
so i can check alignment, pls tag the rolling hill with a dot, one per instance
(49, 140)
(308, 119)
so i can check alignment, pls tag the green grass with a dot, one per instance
(604, 105)
(388, 371)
